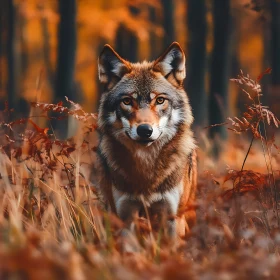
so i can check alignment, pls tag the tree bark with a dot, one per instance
(155, 40)
(275, 42)
(2, 40)
(47, 48)
(66, 50)
(127, 41)
(195, 83)
(65, 70)
(271, 58)
(127, 44)
(11, 54)
(168, 21)
(218, 98)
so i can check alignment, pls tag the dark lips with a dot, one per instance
(141, 141)
(145, 141)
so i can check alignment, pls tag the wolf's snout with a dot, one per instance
(144, 130)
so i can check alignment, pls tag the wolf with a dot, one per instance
(146, 152)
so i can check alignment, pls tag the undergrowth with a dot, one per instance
(53, 224)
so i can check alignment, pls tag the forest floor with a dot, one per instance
(52, 225)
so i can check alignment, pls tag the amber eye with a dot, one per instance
(160, 100)
(126, 101)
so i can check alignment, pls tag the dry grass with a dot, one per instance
(53, 225)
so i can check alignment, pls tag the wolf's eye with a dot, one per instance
(126, 101)
(160, 100)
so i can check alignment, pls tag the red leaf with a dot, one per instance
(39, 129)
(267, 71)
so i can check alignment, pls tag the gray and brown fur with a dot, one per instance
(162, 172)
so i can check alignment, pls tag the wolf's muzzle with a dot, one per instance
(144, 131)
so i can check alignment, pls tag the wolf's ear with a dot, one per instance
(111, 67)
(172, 61)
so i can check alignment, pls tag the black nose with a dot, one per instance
(144, 130)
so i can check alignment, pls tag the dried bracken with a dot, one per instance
(53, 225)
(256, 112)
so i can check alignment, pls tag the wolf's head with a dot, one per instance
(143, 103)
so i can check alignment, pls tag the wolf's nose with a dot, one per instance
(144, 130)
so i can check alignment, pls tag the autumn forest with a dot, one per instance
(53, 223)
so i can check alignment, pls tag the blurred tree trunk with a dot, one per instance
(23, 45)
(155, 39)
(275, 41)
(168, 21)
(3, 24)
(219, 74)
(65, 58)
(66, 50)
(11, 54)
(240, 98)
(127, 41)
(127, 44)
(46, 46)
(11, 49)
(195, 84)
(266, 60)
(275, 54)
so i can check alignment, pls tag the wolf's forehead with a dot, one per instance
(142, 82)
(143, 79)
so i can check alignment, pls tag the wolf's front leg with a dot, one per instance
(165, 212)
(126, 207)
(169, 205)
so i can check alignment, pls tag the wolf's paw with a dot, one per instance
(129, 242)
